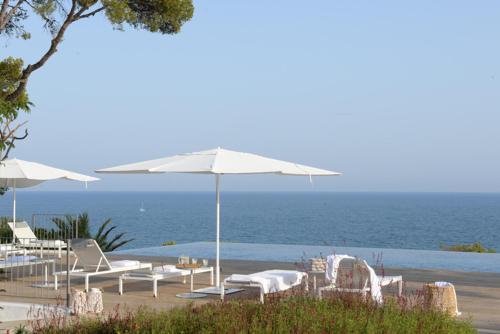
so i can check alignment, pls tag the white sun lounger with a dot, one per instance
(268, 281)
(27, 238)
(163, 273)
(7, 250)
(94, 262)
(353, 275)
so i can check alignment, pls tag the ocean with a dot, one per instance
(371, 220)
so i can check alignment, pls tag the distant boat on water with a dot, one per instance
(142, 208)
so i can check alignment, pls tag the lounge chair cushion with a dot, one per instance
(124, 263)
(18, 259)
(47, 243)
(271, 280)
(7, 247)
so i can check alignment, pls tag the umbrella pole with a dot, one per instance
(14, 213)
(217, 210)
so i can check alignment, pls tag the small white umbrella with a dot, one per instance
(218, 161)
(15, 173)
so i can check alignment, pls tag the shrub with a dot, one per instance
(169, 243)
(473, 248)
(297, 314)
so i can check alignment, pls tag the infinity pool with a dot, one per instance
(390, 258)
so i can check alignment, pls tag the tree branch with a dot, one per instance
(3, 10)
(4, 7)
(5, 16)
(7, 136)
(11, 144)
(44, 17)
(23, 81)
(89, 14)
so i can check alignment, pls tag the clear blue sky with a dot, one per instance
(399, 96)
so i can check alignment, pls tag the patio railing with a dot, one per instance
(27, 264)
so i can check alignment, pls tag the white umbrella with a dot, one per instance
(15, 173)
(218, 161)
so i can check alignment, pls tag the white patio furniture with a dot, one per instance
(9, 249)
(27, 238)
(163, 273)
(15, 173)
(219, 162)
(90, 256)
(12, 262)
(268, 281)
(347, 274)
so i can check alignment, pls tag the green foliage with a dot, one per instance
(22, 329)
(164, 16)
(298, 314)
(70, 225)
(10, 74)
(5, 231)
(169, 243)
(472, 248)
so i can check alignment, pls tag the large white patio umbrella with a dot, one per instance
(218, 162)
(15, 173)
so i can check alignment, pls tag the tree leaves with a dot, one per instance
(10, 74)
(69, 227)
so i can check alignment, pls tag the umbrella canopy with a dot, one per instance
(218, 161)
(23, 174)
(15, 173)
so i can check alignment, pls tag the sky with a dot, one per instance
(397, 95)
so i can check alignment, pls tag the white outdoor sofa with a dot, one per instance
(163, 273)
(352, 275)
(268, 281)
(90, 256)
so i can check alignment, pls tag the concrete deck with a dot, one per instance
(478, 293)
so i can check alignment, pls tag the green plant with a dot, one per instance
(69, 226)
(297, 314)
(169, 243)
(22, 330)
(5, 231)
(473, 248)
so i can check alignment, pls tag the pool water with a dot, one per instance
(389, 258)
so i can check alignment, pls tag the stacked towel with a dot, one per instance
(271, 280)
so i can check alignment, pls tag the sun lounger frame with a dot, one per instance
(30, 241)
(88, 270)
(155, 277)
(44, 262)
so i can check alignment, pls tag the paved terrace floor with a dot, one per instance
(478, 293)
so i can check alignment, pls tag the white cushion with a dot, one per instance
(124, 263)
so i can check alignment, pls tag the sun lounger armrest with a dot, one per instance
(387, 280)
(59, 273)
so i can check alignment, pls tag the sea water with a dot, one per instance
(422, 221)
